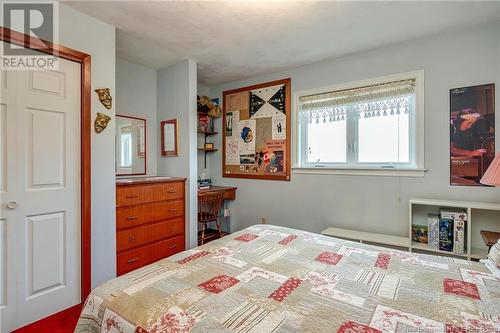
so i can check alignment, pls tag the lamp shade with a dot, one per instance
(492, 174)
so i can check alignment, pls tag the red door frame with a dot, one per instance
(29, 42)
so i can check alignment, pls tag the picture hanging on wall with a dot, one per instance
(472, 133)
(256, 140)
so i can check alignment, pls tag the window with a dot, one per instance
(126, 147)
(374, 125)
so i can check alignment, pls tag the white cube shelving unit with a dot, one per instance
(481, 216)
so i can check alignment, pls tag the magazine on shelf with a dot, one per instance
(459, 218)
(419, 233)
(446, 235)
(458, 236)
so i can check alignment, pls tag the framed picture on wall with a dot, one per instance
(169, 138)
(472, 133)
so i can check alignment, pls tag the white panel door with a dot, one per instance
(8, 176)
(41, 181)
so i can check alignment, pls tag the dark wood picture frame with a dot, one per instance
(30, 42)
(288, 113)
(169, 153)
(145, 147)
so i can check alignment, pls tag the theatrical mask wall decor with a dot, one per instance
(101, 121)
(105, 97)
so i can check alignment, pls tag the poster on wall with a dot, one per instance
(232, 121)
(472, 133)
(232, 151)
(267, 101)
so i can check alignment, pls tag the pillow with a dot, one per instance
(490, 265)
(494, 254)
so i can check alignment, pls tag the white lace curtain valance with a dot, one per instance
(371, 101)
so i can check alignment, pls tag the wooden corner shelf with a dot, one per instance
(207, 132)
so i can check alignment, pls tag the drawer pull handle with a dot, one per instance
(131, 239)
(132, 260)
(172, 191)
(171, 210)
(172, 247)
(130, 218)
(131, 196)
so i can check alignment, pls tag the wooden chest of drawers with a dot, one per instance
(149, 221)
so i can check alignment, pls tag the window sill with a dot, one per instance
(389, 172)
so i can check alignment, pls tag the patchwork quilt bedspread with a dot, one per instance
(274, 279)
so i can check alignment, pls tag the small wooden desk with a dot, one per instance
(490, 238)
(229, 191)
(229, 194)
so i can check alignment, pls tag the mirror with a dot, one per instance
(130, 146)
(169, 137)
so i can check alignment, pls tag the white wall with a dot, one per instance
(88, 35)
(370, 203)
(176, 98)
(203, 90)
(136, 96)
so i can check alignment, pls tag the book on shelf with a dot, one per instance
(446, 234)
(458, 236)
(459, 218)
(433, 230)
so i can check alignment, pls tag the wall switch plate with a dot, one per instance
(226, 212)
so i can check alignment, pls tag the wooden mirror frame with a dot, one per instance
(169, 153)
(145, 148)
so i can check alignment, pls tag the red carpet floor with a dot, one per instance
(62, 322)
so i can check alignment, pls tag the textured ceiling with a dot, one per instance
(234, 40)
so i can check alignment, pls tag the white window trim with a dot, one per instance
(417, 171)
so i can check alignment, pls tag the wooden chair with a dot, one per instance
(209, 207)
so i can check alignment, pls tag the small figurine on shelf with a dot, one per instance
(205, 105)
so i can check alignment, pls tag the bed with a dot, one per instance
(274, 279)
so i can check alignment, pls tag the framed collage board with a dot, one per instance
(256, 131)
